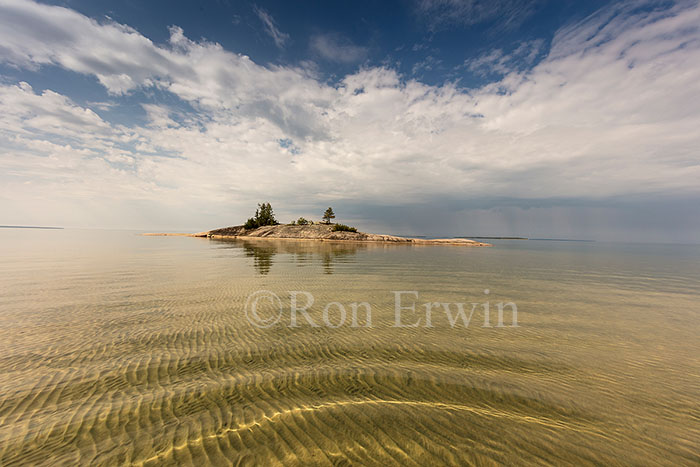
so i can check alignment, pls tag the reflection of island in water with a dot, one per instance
(264, 251)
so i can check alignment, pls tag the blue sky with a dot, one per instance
(450, 117)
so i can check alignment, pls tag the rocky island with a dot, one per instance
(320, 232)
(264, 225)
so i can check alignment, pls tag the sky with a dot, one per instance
(540, 118)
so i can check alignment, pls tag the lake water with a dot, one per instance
(118, 348)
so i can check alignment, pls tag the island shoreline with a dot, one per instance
(317, 232)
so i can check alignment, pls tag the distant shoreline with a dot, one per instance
(29, 227)
(532, 239)
(498, 238)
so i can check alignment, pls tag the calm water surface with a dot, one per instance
(117, 348)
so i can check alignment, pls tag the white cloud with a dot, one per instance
(48, 113)
(443, 14)
(337, 49)
(427, 64)
(497, 62)
(610, 111)
(34, 34)
(271, 28)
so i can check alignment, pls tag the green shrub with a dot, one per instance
(343, 228)
(302, 221)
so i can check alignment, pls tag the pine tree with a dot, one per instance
(328, 215)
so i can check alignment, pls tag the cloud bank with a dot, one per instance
(610, 112)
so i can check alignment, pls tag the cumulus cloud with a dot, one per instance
(609, 111)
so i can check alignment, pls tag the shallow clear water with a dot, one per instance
(117, 348)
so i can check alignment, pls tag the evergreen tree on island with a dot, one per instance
(263, 216)
(328, 215)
